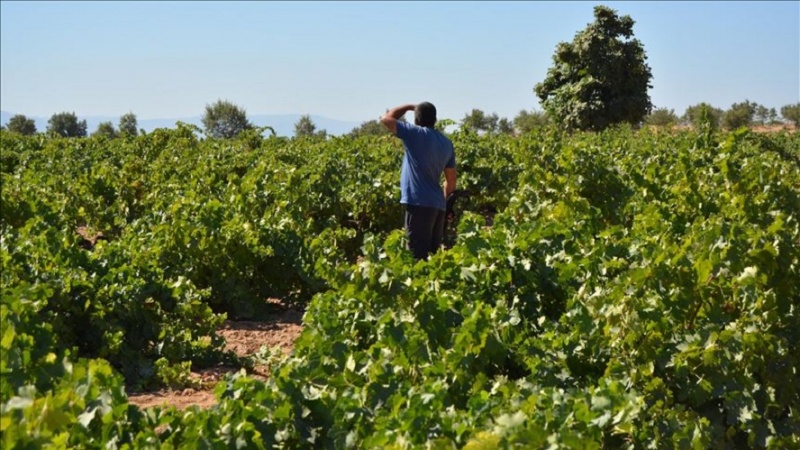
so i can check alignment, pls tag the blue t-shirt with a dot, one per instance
(428, 153)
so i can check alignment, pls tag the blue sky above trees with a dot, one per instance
(352, 60)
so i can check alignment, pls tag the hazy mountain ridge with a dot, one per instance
(283, 124)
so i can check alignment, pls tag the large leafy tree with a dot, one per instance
(66, 124)
(128, 125)
(224, 120)
(600, 78)
(22, 125)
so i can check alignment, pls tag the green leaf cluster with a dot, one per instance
(625, 289)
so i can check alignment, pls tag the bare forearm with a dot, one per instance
(389, 120)
(397, 112)
(449, 182)
(448, 189)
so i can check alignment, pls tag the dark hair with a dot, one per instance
(425, 115)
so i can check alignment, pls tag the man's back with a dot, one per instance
(428, 153)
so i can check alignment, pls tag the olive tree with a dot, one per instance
(703, 115)
(505, 126)
(225, 120)
(22, 125)
(369, 128)
(105, 129)
(128, 125)
(765, 116)
(739, 115)
(600, 78)
(791, 113)
(66, 124)
(526, 122)
(305, 127)
(480, 121)
(662, 117)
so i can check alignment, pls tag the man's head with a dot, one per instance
(425, 115)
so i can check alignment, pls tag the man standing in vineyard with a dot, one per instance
(428, 154)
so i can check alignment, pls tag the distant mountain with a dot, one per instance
(282, 123)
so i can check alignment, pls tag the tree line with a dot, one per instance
(224, 120)
(599, 79)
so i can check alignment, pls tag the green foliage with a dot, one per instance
(662, 117)
(105, 129)
(631, 290)
(600, 78)
(30, 353)
(791, 113)
(369, 128)
(87, 408)
(128, 125)
(765, 116)
(305, 127)
(739, 115)
(526, 122)
(22, 125)
(66, 124)
(702, 116)
(442, 124)
(505, 126)
(477, 120)
(224, 120)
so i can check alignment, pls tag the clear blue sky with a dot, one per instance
(353, 60)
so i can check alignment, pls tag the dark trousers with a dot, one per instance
(425, 230)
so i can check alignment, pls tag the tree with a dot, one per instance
(66, 125)
(662, 117)
(791, 113)
(739, 115)
(128, 125)
(702, 113)
(369, 128)
(305, 127)
(478, 120)
(224, 120)
(505, 126)
(599, 79)
(525, 122)
(105, 129)
(22, 125)
(765, 116)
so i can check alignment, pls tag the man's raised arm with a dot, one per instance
(389, 120)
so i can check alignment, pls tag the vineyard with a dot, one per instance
(622, 289)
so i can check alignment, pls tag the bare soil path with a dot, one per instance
(244, 338)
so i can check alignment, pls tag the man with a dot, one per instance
(428, 153)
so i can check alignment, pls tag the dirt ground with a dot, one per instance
(244, 338)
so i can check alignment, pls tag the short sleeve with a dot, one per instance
(402, 130)
(451, 163)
